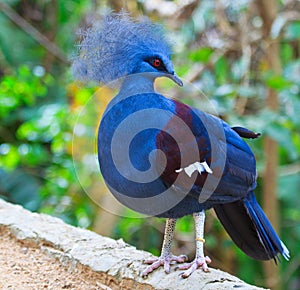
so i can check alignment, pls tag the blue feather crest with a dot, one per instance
(112, 50)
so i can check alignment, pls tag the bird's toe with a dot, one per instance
(200, 262)
(154, 264)
(180, 259)
(166, 262)
(150, 261)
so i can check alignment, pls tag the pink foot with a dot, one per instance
(200, 262)
(155, 263)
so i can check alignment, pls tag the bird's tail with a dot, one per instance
(250, 229)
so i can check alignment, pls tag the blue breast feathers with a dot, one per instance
(143, 139)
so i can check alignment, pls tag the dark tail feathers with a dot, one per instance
(250, 229)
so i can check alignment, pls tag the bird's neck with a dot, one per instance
(137, 84)
(133, 85)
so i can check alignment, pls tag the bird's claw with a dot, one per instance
(200, 262)
(155, 263)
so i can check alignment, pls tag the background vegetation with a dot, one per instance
(243, 55)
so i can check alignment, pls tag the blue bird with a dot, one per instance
(163, 158)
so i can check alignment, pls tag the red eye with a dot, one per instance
(156, 62)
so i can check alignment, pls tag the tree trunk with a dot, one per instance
(268, 11)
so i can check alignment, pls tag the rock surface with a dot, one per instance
(112, 264)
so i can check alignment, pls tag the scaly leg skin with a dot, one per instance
(200, 261)
(166, 257)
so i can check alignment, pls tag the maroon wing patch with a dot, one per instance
(184, 141)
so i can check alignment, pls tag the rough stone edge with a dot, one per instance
(79, 247)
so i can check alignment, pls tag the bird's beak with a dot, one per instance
(176, 79)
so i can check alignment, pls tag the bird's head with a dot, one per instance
(121, 46)
(159, 65)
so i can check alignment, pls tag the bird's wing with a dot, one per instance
(205, 147)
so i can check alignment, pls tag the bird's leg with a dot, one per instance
(166, 256)
(200, 261)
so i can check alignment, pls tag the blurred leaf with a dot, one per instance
(291, 72)
(276, 82)
(247, 91)
(221, 69)
(286, 52)
(292, 31)
(9, 156)
(201, 55)
(287, 192)
(277, 26)
(225, 90)
(283, 136)
(33, 154)
(185, 224)
(20, 187)
(240, 68)
(203, 16)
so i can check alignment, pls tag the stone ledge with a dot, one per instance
(76, 247)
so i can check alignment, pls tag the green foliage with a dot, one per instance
(200, 55)
(36, 120)
(292, 31)
(21, 88)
